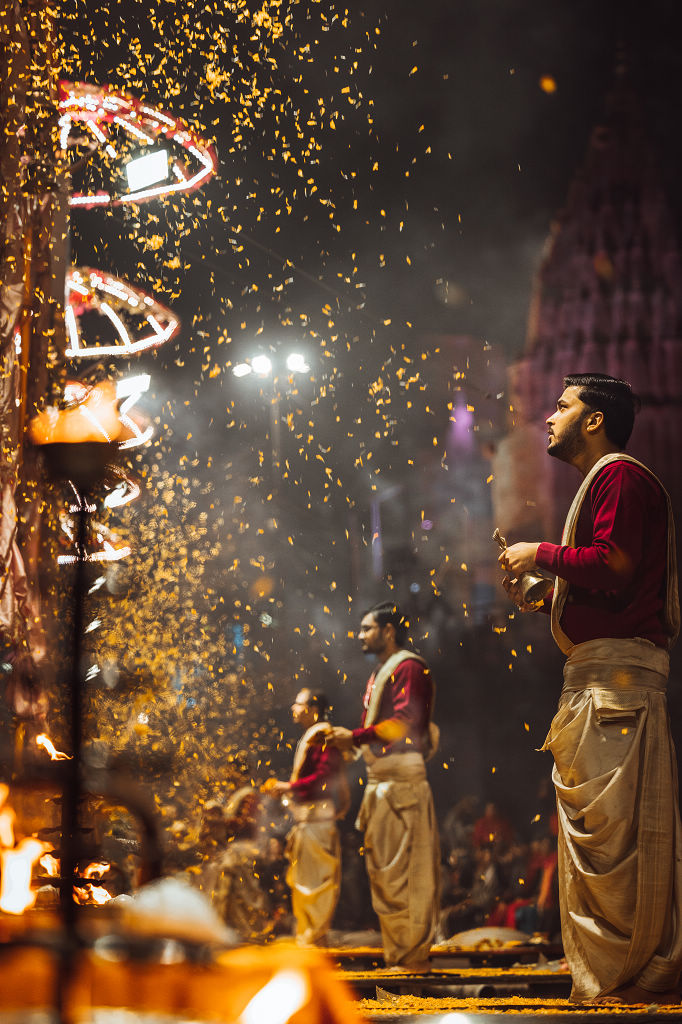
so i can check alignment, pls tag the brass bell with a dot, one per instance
(534, 587)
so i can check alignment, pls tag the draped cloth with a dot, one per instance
(314, 852)
(402, 855)
(615, 774)
(314, 877)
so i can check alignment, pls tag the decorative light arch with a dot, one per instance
(115, 119)
(139, 320)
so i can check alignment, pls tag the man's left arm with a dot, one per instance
(619, 512)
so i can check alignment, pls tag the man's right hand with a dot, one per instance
(341, 738)
(513, 588)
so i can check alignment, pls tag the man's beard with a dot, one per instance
(569, 444)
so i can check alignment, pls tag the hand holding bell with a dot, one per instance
(534, 587)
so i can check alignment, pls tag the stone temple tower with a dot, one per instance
(607, 298)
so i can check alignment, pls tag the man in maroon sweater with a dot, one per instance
(317, 793)
(397, 816)
(614, 613)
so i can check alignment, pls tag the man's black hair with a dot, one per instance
(388, 611)
(319, 702)
(610, 396)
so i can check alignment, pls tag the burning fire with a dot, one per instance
(50, 865)
(16, 862)
(44, 741)
(96, 870)
(93, 894)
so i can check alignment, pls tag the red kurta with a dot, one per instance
(617, 569)
(406, 708)
(319, 774)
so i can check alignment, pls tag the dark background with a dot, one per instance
(445, 166)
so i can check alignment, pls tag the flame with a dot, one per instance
(44, 741)
(278, 1000)
(15, 884)
(98, 894)
(50, 865)
(7, 817)
(96, 870)
(91, 895)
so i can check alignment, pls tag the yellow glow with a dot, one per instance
(15, 884)
(46, 743)
(279, 1000)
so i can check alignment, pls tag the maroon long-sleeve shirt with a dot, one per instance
(404, 712)
(617, 570)
(319, 775)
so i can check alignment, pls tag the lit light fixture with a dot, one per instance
(133, 385)
(261, 365)
(296, 363)
(115, 119)
(147, 170)
(241, 370)
(139, 321)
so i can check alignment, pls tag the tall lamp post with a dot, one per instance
(261, 366)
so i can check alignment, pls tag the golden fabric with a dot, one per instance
(314, 877)
(615, 774)
(620, 840)
(402, 855)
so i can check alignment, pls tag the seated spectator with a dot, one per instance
(233, 879)
(458, 824)
(492, 829)
(273, 880)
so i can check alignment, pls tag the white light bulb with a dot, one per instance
(296, 363)
(147, 170)
(261, 365)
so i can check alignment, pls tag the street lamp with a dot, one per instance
(262, 366)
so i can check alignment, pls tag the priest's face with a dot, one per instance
(302, 712)
(566, 440)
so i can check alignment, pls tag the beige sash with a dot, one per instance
(380, 680)
(319, 810)
(302, 746)
(672, 604)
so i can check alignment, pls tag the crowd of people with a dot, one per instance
(494, 875)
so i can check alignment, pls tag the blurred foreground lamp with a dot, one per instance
(80, 440)
(147, 170)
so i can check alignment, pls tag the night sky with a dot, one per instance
(445, 139)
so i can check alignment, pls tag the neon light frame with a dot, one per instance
(97, 106)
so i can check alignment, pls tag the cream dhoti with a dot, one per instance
(314, 874)
(620, 841)
(401, 852)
